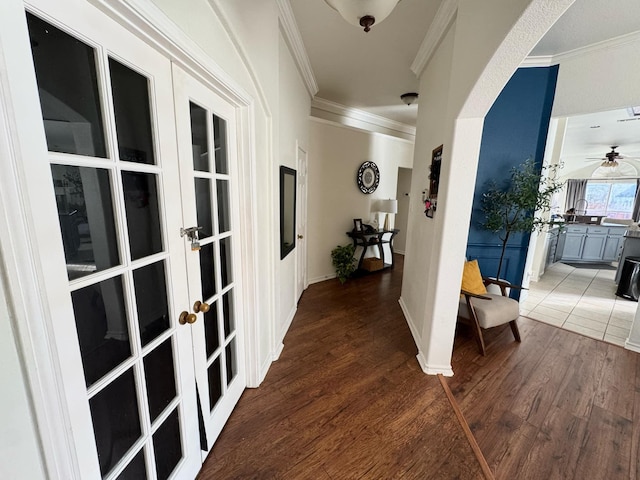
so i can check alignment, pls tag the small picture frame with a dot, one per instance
(357, 225)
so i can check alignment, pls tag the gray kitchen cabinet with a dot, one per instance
(613, 247)
(592, 243)
(593, 246)
(573, 243)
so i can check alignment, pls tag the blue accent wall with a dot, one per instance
(515, 129)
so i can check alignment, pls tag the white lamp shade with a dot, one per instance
(353, 10)
(388, 206)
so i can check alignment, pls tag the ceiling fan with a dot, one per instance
(610, 159)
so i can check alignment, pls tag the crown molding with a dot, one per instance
(291, 33)
(445, 14)
(362, 119)
(539, 61)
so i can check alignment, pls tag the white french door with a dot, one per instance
(208, 159)
(134, 345)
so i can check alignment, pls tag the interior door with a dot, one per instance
(126, 361)
(207, 143)
(301, 223)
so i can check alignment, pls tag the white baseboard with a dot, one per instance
(409, 320)
(321, 278)
(444, 370)
(426, 368)
(277, 352)
(634, 347)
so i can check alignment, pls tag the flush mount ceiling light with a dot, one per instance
(363, 13)
(409, 98)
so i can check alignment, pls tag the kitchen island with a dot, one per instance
(588, 243)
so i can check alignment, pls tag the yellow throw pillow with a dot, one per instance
(472, 279)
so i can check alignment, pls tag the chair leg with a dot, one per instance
(514, 328)
(475, 325)
(477, 332)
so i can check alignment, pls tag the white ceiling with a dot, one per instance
(369, 71)
(598, 132)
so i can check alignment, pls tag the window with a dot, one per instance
(613, 199)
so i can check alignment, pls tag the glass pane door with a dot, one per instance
(108, 122)
(206, 134)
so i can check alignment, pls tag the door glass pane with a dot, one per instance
(160, 377)
(231, 360)
(68, 88)
(116, 423)
(226, 272)
(220, 141)
(102, 328)
(151, 301)
(143, 217)
(211, 330)
(215, 383)
(132, 111)
(167, 445)
(85, 212)
(224, 212)
(199, 138)
(136, 470)
(203, 207)
(228, 313)
(207, 272)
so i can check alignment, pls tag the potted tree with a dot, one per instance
(517, 205)
(343, 261)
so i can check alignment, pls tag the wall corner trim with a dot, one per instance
(437, 29)
(292, 36)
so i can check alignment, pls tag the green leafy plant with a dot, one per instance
(343, 261)
(518, 204)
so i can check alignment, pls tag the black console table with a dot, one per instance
(377, 239)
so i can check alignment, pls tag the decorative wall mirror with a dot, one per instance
(287, 210)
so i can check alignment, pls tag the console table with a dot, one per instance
(374, 239)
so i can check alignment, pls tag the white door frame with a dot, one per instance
(25, 244)
(301, 223)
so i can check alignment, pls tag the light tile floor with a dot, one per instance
(581, 300)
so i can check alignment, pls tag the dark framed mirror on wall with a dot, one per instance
(287, 210)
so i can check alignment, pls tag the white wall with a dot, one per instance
(486, 43)
(334, 200)
(403, 195)
(293, 125)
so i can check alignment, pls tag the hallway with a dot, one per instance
(581, 300)
(347, 400)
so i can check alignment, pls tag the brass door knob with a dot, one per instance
(186, 317)
(201, 307)
(300, 237)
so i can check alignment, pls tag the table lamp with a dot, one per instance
(389, 206)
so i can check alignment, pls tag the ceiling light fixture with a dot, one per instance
(609, 163)
(363, 13)
(409, 98)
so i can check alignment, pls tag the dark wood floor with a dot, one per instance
(347, 400)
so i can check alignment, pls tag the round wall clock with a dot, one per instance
(368, 177)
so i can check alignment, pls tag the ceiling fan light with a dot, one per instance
(363, 13)
(609, 163)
